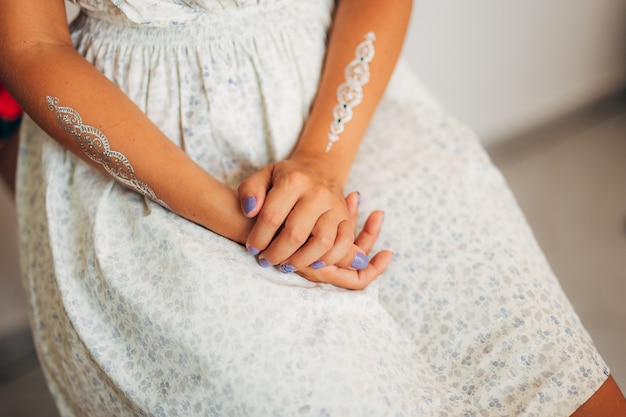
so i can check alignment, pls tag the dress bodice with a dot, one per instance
(165, 12)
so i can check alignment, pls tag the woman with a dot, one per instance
(144, 299)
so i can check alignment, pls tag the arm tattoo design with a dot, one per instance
(96, 146)
(350, 93)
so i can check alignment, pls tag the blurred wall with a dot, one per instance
(504, 67)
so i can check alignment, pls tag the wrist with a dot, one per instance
(328, 167)
(222, 214)
(209, 203)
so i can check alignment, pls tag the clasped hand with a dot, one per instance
(305, 225)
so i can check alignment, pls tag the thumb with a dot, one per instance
(252, 191)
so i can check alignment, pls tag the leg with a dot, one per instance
(606, 402)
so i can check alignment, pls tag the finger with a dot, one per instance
(378, 264)
(276, 208)
(357, 258)
(326, 238)
(344, 252)
(298, 228)
(349, 278)
(371, 229)
(353, 256)
(253, 190)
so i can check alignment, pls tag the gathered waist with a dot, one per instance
(228, 25)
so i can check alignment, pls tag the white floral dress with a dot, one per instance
(136, 311)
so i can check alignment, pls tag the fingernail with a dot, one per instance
(253, 251)
(287, 268)
(265, 263)
(249, 204)
(360, 261)
(318, 264)
(358, 201)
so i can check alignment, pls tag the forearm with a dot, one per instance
(354, 19)
(40, 72)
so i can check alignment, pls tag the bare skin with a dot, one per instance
(608, 401)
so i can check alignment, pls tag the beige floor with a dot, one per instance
(570, 180)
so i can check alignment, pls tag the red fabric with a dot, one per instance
(9, 109)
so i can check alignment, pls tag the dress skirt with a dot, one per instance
(138, 312)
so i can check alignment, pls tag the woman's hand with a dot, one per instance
(343, 274)
(303, 218)
(347, 277)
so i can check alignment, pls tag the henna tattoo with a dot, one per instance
(350, 93)
(96, 146)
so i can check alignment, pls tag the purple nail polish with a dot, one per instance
(265, 263)
(360, 261)
(249, 204)
(287, 268)
(318, 264)
(253, 251)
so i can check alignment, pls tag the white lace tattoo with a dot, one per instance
(350, 93)
(96, 146)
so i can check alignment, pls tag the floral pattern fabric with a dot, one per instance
(138, 312)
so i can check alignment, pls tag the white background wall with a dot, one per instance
(502, 66)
